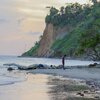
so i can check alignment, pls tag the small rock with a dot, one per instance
(10, 69)
(40, 66)
(81, 94)
(86, 91)
(92, 65)
(93, 86)
(97, 97)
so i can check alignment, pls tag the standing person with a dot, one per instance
(63, 61)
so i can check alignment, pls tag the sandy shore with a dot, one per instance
(66, 87)
(71, 89)
(35, 87)
(49, 85)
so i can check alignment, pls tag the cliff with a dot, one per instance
(75, 32)
(51, 34)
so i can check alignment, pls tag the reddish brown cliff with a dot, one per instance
(51, 33)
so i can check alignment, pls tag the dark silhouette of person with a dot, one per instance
(63, 61)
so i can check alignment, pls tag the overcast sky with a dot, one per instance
(22, 22)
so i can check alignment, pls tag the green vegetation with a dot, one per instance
(66, 15)
(32, 51)
(84, 39)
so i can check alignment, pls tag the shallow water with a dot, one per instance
(48, 61)
(35, 88)
(4, 79)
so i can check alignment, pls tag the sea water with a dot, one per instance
(18, 85)
(11, 78)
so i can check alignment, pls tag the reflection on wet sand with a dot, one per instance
(48, 87)
(35, 88)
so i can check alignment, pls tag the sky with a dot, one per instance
(22, 22)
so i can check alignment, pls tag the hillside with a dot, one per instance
(73, 30)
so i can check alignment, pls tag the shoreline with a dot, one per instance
(84, 89)
(35, 87)
(88, 82)
(59, 77)
(67, 84)
(67, 58)
(70, 89)
(58, 87)
(67, 88)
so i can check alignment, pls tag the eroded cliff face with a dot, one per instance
(51, 33)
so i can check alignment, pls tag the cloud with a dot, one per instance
(22, 22)
(2, 20)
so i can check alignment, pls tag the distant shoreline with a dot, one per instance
(67, 58)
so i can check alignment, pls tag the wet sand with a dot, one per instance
(48, 87)
(34, 88)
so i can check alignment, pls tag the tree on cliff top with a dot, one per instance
(53, 12)
(94, 1)
(66, 15)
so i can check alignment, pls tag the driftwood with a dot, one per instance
(43, 66)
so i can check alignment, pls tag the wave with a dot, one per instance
(8, 80)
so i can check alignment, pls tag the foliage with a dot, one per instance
(90, 37)
(85, 38)
(53, 12)
(32, 51)
(94, 1)
(71, 14)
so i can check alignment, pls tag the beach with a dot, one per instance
(48, 84)
(48, 87)
(34, 87)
